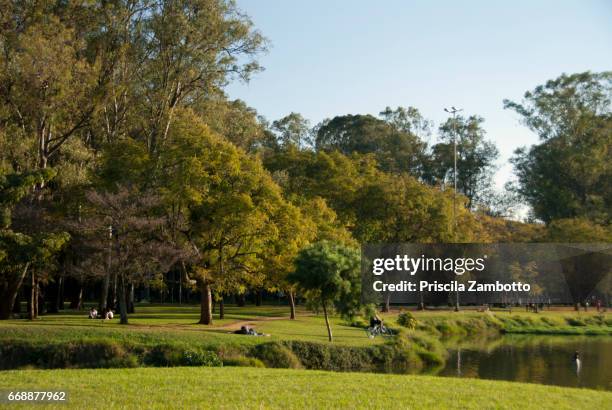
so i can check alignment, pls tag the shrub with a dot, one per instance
(406, 320)
(330, 357)
(574, 321)
(169, 355)
(194, 357)
(276, 355)
(242, 361)
(82, 354)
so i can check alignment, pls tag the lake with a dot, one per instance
(534, 359)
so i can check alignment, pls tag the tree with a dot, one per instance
(50, 89)
(395, 149)
(137, 243)
(408, 120)
(25, 245)
(295, 231)
(568, 174)
(331, 274)
(236, 121)
(475, 159)
(292, 130)
(578, 230)
(190, 50)
(221, 205)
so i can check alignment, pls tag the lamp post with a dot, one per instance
(453, 111)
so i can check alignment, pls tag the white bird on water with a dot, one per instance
(577, 362)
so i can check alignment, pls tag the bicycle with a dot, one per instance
(378, 330)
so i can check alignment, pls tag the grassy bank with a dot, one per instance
(169, 336)
(271, 388)
(469, 322)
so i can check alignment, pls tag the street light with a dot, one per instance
(454, 112)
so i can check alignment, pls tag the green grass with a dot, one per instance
(252, 388)
(176, 327)
(153, 324)
(470, 322)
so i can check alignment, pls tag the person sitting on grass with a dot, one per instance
(93, 313)
(109, 314)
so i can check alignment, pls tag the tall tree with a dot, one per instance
(568, 173)
(475, 158)
(192, 49)
(293, 130)
(395, 149)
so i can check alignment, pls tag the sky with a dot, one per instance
(336, 57)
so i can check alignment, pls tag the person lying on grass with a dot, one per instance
(247, 330)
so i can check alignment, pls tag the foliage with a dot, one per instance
(475, 159)
(568, 174)
(395, 148)
(407, 320)
(276, 355)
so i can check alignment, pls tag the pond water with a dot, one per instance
(535, 359)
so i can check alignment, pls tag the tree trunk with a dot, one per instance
(17, 304)
(329, 331)
(457, 307)
(240, 300)
(76, 301)
(205, 304)
(221, 309)
(258, 298)
(9, 294)
(130, 301)
(54, 301)
(33, 297)
(112, 296)
(292, 305)
(122, 301)
(79, 298)
(386, 305)
(180, 295)
(60, 294)
(104, 295)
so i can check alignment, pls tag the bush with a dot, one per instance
(331, 357)
(242, 361)
(574, 322)
(192, 357)
(276, 355)
(82, 354)
(169, 355)
(406, 320)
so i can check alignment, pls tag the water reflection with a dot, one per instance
(535, 359)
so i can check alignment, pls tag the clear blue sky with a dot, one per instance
(337, 57)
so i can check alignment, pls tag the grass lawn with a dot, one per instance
(241, 387)
(153, 324)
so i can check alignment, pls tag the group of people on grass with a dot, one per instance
(105, 314)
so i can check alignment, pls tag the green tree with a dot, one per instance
(395, 149)
(25, 245)
(330, 273)
(568, 174)
(221, 204)
(475, 159)
(292, 130)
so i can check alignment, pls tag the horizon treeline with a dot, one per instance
(122, 158)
